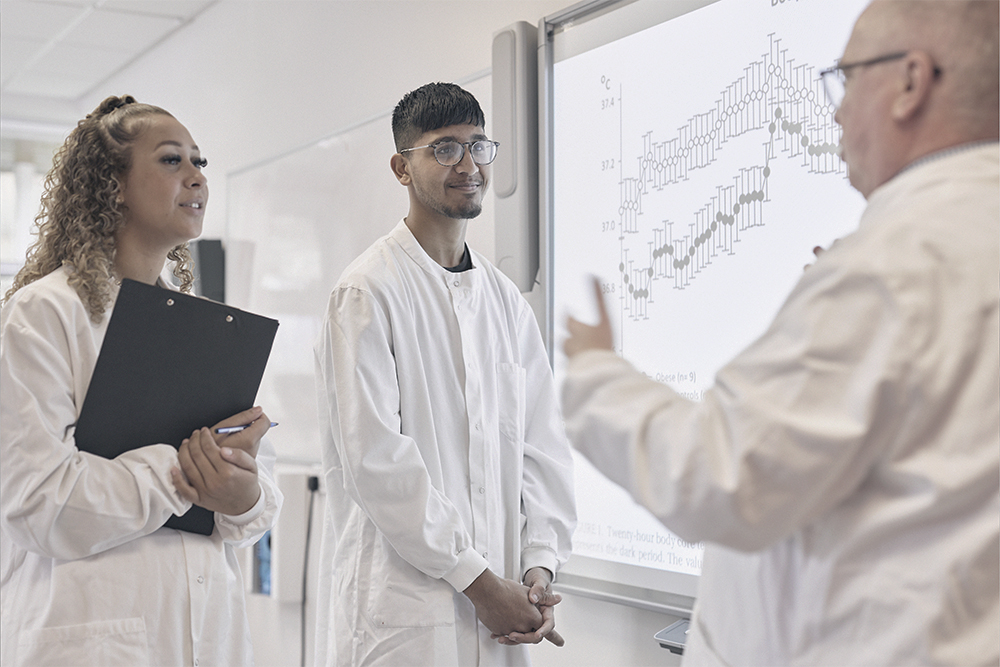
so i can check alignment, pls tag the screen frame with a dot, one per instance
(562, 36)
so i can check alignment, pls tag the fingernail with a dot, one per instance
(534, 597)
(227, 451)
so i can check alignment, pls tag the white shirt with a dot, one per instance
(845, 468)
(87, 575)
(444, 454)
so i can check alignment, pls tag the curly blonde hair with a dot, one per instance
(82, 209)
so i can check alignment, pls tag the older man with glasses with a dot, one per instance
(844, 470)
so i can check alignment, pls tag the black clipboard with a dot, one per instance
(171, 363)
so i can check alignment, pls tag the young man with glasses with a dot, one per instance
(449, 477)
(844, 471)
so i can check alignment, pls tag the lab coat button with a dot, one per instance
(482, 490)
(201, 580)
(456, 283)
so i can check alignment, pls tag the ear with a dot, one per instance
(120, 181)
(918, 79)
(400, 169)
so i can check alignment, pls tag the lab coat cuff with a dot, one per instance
(470, 565)
(538, 557)
(249, 515)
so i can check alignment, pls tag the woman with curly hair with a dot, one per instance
(89, 575)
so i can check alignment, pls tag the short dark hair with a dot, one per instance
(432, 107)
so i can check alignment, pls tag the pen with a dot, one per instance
(237, 429)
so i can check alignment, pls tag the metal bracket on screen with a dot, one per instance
(673, 637)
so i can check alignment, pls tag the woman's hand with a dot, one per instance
(249, 438)
(220, 479)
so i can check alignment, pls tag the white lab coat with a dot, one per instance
(444, 453)
(87, 576)
(845, 468)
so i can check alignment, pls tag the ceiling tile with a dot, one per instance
(36, 20)
(80, 62)
(120, 31)
(181, 9)
(15, 54)
(50, 85)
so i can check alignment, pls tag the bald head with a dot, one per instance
(961, 37)
(945, 90)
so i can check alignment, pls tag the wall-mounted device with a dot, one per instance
(673, 637)
(515, 172)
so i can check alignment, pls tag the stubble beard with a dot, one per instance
(468, 213)
(465, 211)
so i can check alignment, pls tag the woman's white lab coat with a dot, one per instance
(87, 575)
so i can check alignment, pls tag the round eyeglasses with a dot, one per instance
(448, 153)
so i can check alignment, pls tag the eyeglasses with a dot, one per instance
(835, 77)
(449, 153)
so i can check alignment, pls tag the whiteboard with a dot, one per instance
(294, 223)
(691, 164)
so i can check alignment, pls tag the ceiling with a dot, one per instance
(55, 52)
(65, 48)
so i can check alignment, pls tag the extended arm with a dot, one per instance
(782, 436)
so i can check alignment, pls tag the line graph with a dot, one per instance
(694, 168)
(775, 97)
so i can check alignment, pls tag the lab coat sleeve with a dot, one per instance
(787, 431)
(547, 495)
(383, 471)
(57, 501)
(245, 529)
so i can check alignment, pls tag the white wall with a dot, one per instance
(253, 79)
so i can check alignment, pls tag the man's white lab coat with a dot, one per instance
(444, 454)
(845, 468)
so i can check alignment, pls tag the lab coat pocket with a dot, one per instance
(511, 380)
(119, 642)
(404, 597)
